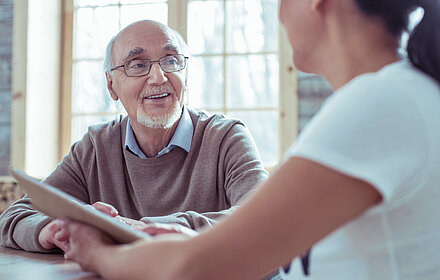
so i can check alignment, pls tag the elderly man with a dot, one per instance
(163, 163)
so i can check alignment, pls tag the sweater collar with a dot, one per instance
(182, 137)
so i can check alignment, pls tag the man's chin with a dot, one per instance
(160, 121)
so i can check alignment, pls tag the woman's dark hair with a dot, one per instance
(424, 41)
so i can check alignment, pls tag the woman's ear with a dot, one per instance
(109, 79)
(316, 4)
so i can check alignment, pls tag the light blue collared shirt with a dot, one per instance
(182, 137)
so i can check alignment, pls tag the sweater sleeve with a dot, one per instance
(240, 164)
(20, 224)
(240, 171)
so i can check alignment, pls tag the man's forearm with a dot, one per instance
(20, 225)
(191, 219)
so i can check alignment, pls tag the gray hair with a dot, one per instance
(108, 61)
(183, 47)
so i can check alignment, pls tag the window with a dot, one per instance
(234, 68)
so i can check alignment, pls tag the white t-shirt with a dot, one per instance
(383, 128)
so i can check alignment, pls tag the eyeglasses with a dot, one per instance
(141, 67)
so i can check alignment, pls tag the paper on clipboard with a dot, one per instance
(58, 204)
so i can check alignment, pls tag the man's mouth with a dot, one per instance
(158, 96)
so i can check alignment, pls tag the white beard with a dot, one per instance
(164, 121)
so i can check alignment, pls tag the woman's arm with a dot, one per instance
(296, 207)
(301, 203)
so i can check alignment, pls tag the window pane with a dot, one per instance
(206, 26)
(252, 26)
(141, 1)
(81, 123)
(132, 13)
(205, 82)
(263, 126)
(82, 3)
(95, 28)
(89, 93)
(252, 81)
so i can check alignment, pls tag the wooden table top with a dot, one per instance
(21, 265)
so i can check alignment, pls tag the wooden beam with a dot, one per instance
(19, 77)
(289, 115)
(65, 110)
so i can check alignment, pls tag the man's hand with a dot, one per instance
(106, 208)
(152, 229)
(158, 229)
(113, 212)
(53, 235)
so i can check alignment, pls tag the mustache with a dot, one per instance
(158, 89)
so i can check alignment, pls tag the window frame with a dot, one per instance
(36, 42)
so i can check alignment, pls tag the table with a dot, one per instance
(21, 265)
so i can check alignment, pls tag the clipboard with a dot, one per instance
(58, 204)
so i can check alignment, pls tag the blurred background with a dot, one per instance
(52, 83)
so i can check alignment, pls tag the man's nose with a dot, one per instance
(156, 75)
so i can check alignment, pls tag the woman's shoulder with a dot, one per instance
(400, 77)
(398, 86)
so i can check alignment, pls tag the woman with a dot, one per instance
(360, 186)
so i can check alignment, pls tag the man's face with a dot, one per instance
(154, 100)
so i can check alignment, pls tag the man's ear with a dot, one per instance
(109, 78)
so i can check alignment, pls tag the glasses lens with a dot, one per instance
(137, 67)
(172, 63)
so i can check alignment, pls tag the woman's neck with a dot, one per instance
(342, 71)
(357, 45)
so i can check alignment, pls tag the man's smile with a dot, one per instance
(158, 96)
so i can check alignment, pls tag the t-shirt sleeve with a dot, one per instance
(372, 133)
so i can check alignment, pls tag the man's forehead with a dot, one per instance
(139, 50)
(143, 39)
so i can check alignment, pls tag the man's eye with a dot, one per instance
(138, 65)
(171, 61)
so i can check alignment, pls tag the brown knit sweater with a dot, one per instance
(193, 189)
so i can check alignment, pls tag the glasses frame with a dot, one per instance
(151, 64)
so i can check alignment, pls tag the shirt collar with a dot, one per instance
(182, 137)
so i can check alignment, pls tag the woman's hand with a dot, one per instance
(163, 257)
(87, 244)
(53, 235)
